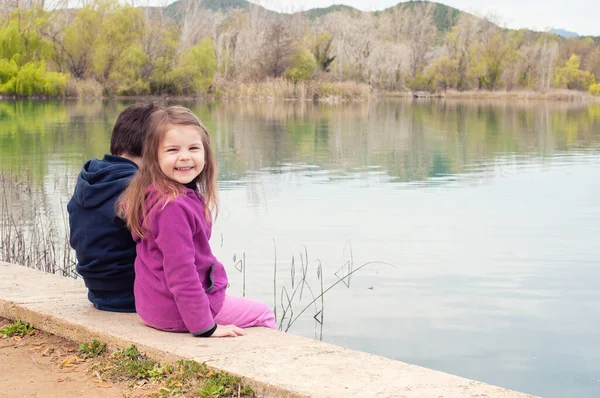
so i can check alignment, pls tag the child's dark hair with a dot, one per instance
(130, 129)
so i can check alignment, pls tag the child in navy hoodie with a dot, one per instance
(104, 246)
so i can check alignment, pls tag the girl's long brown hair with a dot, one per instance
(132, 203)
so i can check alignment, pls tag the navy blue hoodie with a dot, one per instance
(103, 244)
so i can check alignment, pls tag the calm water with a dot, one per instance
(481, 221)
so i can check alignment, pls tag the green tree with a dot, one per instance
(572, 77)
(581, 46)
(321, 50)
(23, 70)
(303, 65)
(117, 55)
(196, 71)
(75, 42)
(444, 73)
(126, 75)
(496, 52)
(461, 44)
(103, 41)
(420, 82)
(30, 79)
(20, 37)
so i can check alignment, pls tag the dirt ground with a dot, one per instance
(45, 365)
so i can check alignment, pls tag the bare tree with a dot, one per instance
(414, 25)
(249, 40)
(195, 23)
(583, 47)
(388, 66)
(353, 40)
(548, 53)
(592, 62)
(275, 55)
(11, 5)
(225, 49)
(298, 25)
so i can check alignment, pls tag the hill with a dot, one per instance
(564, 33)
(217, 5)
(444, 17)
(315, 13)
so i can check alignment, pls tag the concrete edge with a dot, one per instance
(81, 334)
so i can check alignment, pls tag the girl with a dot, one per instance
(179, 283)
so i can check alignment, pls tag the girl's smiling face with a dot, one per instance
(181, 153)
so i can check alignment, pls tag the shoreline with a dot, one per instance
(552, 95)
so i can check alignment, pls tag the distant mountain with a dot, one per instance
(315, 13)
(564, 33)
(216, 5)
(444, 17)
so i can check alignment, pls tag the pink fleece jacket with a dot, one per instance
(179, 284)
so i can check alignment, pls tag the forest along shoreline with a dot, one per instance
(243, 50)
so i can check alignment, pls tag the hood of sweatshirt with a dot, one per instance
(100, 180)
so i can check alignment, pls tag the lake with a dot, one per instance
(457, 235)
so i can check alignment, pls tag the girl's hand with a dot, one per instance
(228, 331)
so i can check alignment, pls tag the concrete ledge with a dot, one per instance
(275, 364)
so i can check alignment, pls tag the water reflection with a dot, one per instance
(407, 140)
(489, 212)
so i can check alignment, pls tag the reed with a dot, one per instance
(28, 234)
(291, 297)
(284, 89)
(292, 305)
(84, 89)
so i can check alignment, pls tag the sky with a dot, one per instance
(580, 16)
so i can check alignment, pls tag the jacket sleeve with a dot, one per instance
(173, 229)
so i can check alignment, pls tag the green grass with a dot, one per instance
(17, 328)
(182, 379)
(130, 364)
(222, 384)
(92, 349)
